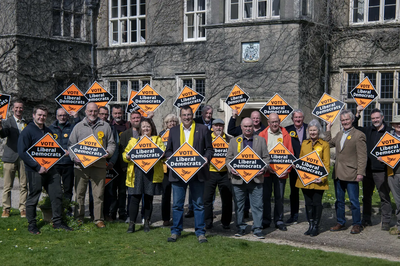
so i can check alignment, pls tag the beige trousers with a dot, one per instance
(9, 170)
(98, 177)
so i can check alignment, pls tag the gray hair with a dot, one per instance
(315, 123)
(297, 111)
(206, 108)
(347, 112)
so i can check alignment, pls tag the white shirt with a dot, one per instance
(20, 123)
(187, 132)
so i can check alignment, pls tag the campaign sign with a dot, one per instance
(185, 162)
(88, 151)
(364, 93)
(388, 149)
(98, 95)
(281, 159)
(328, 108)
(220, 149)
(148, 99)
(189, 97)
(247, 163)
(4, 103)
(131, 107)
(72, 99)
(277, 105)
(145, 154)
(165, 136)
(111, 174)
(237, 99)
(46, 151)
(309, 168)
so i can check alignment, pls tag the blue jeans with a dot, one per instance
(278, 185)
(255, 192)
(179, 193)
(353, 192)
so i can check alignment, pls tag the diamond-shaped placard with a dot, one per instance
(72, 99)
(145, 154)
(309, 168)
(189, 97)
(220, 149)
(247, 163)
(97, 94)
(280, 159)
(88, 150)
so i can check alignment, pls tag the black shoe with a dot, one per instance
(240, 232)
(146, 227)
(281, 227)
(227, 227)
(293, 219)
(189, 214)
(63, 227)
(33, 229)
(209, 226)
(366, 223)
(310, 227)
(131, 227)
(123, 217)
(259, 235)
(264, 226)
(385, 226)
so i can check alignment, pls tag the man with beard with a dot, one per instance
(96, 172)
(376, 170)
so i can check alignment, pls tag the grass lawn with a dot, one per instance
(88, 245)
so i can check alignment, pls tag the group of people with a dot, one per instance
(353, 164)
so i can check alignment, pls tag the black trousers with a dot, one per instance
(166, 199)
(66, 171)
(221, 180)
(294, 194)
(119, 189)
(51, 181)
(134, 206)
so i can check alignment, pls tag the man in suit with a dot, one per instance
(297, 132)
(199, 137)
(206, 117)
(351, 161)
(10, 129)
(255, 187)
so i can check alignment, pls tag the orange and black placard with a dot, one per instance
(309, 168)
(98, 95)
(88, 151)
(277, 105)
(364, 93)
(4, 103)
(165, 136)
(247, 163)
(148, 99)
(237, 99)
(131, 106)
(388, 149)
(185, 162)
(145, 154)
(281, 159)
(46, 151)
(220, 149)
(72, 99)
(111, 174)
(188, 97)
(328, 108)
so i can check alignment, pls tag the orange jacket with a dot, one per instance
(287, 142)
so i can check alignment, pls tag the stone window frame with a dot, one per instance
(72, 12)
(123, 19)
(198, 84)
(389, 104)
(240, 7)
(393, 6)
(199, 20)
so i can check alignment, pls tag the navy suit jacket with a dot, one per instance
(295, 140)
(201, 143)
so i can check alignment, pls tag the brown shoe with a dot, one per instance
(23, 214)
(356, 229)
(100, 224)
(338, 227)
(5, 214)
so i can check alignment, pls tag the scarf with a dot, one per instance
(191, 135)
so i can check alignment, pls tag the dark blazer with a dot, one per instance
(199, 120)
(295, 140)
(10, 131)
(201, 143)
